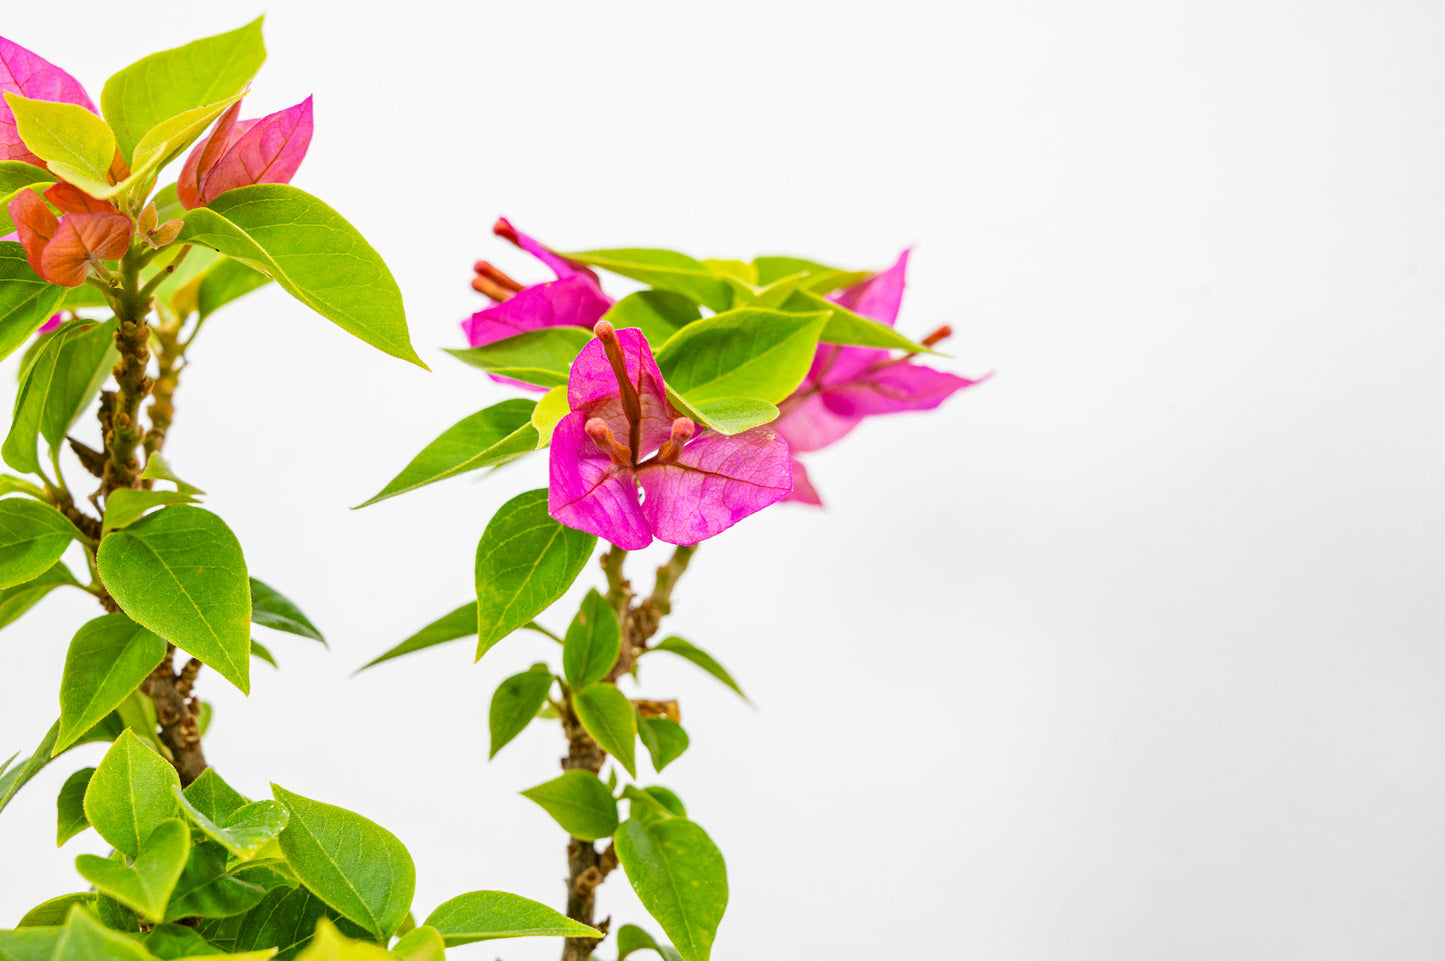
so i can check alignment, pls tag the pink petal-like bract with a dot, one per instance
(31, 76)
(592, 387)
(204, 155)
(239, 153)
(34, 223)
(80, 239)
(586, 490)
(571, 301)
(806, 423)
(561, 266)
(51, 325)
(893, 388)
(879, 297)
(803, 491)
(716, 482)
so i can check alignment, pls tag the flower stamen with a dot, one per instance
(606, 442)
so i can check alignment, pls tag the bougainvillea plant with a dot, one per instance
(670, 414)
(109, 280)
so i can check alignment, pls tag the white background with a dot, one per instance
(1133, 652)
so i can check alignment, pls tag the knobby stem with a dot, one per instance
(587, 866)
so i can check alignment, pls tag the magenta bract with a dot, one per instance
(31, 76)
(239, 153)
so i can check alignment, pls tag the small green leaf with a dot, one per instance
(657, 313)
(53, 913)
(206, 890)
(313, 253)
(126, 506)
(593, 640)
(145, 886)
(108, 658)
(846, 327)
(580, 803)
(609, 717)
(75, 143)
(726, 415)
(213, 797)
(549, 410)
(492, 915)
(664, 739)
(157, 468)
(691, 652)
(353, 864)
(516, 701)
(15, 777)
(129, 795)
(26, 301)
(541, 357)
(820, 278)
(32, 538)
(174, 941)
(228, 280)
(56, 387)
(70, 817)
(15, 176)
(665, 269)
(501, 433)
(270, 608)
(420, 944)
(285, 920)
(460, 623)
(330, 945)
(631, 938)
(750, 352)
(525, 561)
(85, 939)
(180, 572)
(245, 830)
(162, 85)
(679, 876)
(15, 601)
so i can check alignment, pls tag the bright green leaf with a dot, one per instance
(679, 876)
(52, 913)
(665, 269)
(32, 538)
(420, 944)
(15, 601)
(212, 797)
(270, 608)
(664, 739)
(549, 410)
(244, 831)
(206, 890)
(330, 945)
(460, 623)
(541, 357)
(516, 701)
(108, 658)
(26, 301)
(157, 468)
(579, 802)
(726, 415)
(608, 716)
(15, 176)
(593, 640)
(126, 506)
(56, 387)
(70, 817)
(631, 938)
(691, 652)
(492, 915)
(17, 776)
(145, 886)
(227, 281)
(846, 327)
(173, 941)
(76, 144)
(750, 352)
(85, 939)
(657, 313)
(129, 795)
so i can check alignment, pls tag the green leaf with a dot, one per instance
(26, 301)
(53, 913)
(353, 864)
(631, 938)
(647, 806)
(168, 83)
(56, 387)
(492, 915)
(14, 778)
(664, 739)
(691, 652)
(129, 795)
(206, 890)
(70, 817)
(32, 538)
(145, 886)
(180, 572)
(679, 876)
(163, 143)
(212, 797)
(126, 506)
(608, 716)
(579, 802)
(657, 313)
(593, 640)
(85, 939)
(460, 623)
(313, 253)
(174, 941)
(227, 281)
(75, 143)
(549, 410)
(15, 176)
(541, 357)
(525, 561)
(846, 327)
(420, 944)
(516, 701)
(666, 269)
(750, 352)
(726, 415)
(330, 945)
(243, 832)
(501, 433)
(270, 608)
(15, 601)
(108, 658)
(820, 278)
(286, 919)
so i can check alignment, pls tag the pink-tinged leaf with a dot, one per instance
(586, 490)
(807, 424)
(893, 388)
(879, 297)
(803, 491)
(592, 387)
(204, 156)
(31, 76)
(72, 200)
(561, 266)
(265, 151)
(571, 301)
(80, 239)
(34, 224)
(716, 482)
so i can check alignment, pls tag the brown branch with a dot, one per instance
(178, 711)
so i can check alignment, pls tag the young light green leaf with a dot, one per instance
(157, 468)
(56, 387)
(541, 357)
(548, 412)
(76, 144)
(130, 793)
(420, 944)
(664, 739)
(679, 876)
(516, 701)
(353, 864)
(460, 623)
(750, 352)
(329, 944)
(313, 253)
(243, 832)
(579, 802)
(496, 435)
(525, 561)
(145, 886)
(665, 269)
(820, 278)
(108, 658)
(84, 938)
(270, 608)
(631, 938)
(607, 715)
(846, 327)
(213, 797)
(726, 415)
(180, 572)
(15, 776)
(26, 301)
(593, 640)
(52, 913)
(70, 817)
(15, 601)
(657, 313)
(32, 538)
(691, 652)
(126, 506)
(492, 915)
(162, 85)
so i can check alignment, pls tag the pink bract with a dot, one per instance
(31, 76)
(239, 153)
